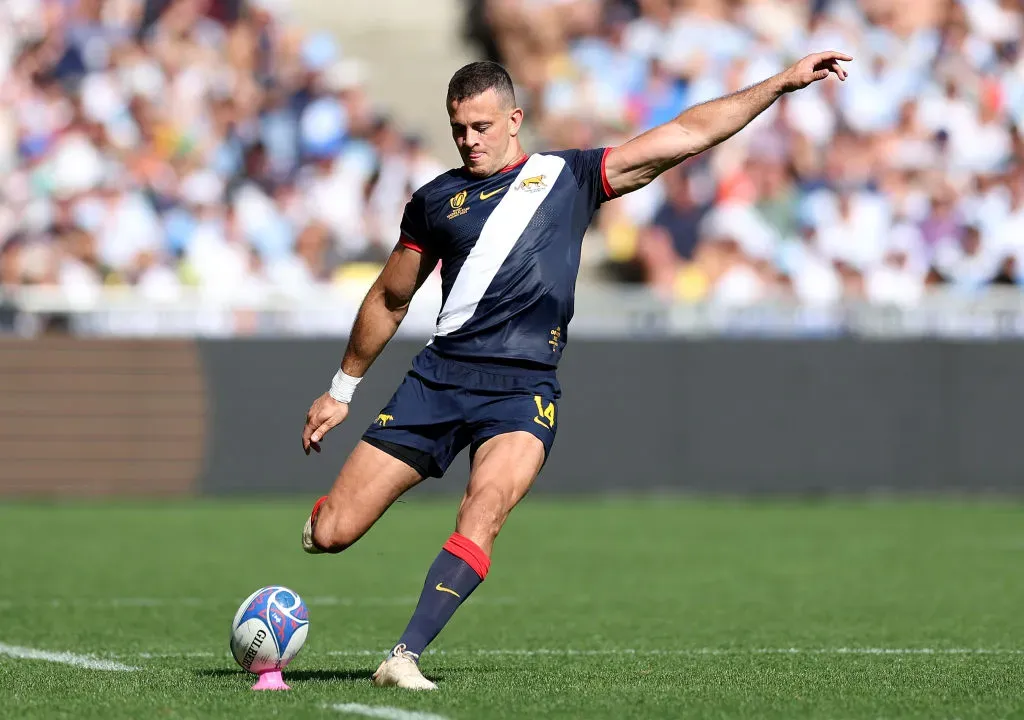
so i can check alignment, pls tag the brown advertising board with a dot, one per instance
(100, 417)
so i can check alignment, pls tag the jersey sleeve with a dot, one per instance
(415, 225)
(589, 168)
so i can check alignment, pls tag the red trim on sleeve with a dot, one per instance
(469, 552)
(605, 185)
(410, 243)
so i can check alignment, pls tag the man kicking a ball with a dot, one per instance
(507, 228)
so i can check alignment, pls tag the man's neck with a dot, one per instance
(515, 155)
(518, 160)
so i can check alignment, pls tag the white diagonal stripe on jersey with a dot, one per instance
(498, 236)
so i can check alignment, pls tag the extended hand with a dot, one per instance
(325, 413)
(813, 68)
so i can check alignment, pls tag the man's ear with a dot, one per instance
(515, 121)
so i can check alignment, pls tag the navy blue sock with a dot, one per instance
(457, 571)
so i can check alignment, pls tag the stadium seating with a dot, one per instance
(230, 155)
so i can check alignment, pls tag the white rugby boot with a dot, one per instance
(307, 531)
(401, 670)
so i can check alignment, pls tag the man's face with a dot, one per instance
(483, 128)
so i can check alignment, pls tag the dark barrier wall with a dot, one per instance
(100, 417)
(718, 416)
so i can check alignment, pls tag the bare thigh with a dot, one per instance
(503, 471)
(368, 483)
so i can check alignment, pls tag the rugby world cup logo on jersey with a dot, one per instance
(458, 203)
(532, 184)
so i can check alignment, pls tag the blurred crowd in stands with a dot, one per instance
(173, 143)
(217, 144)
(907, 175)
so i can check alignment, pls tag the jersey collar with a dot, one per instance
(517, 163)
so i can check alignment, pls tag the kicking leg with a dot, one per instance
(369, 482)
(504, 468)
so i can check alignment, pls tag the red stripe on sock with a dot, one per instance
(312, 521)
(469, 552)
(316, 510)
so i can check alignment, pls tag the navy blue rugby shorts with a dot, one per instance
(445, 404)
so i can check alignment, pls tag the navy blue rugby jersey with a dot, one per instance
(509, 247)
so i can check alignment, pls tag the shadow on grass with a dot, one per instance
(292, 676)
(347, 675)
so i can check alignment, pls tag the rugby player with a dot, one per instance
(507, 228)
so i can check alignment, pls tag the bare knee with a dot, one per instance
(333, 532)
(369, 481)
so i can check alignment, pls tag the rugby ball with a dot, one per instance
(269, 629)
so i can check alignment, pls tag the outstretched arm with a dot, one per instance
(382, 311)
(635, 163)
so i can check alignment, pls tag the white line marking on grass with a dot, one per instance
(384, 712)
(608, 652)
(393, 601)
(329, 600)
(703, 651)
(156, 602)
(116, 602)
(895, 651)
(144, 602)
(67, 658)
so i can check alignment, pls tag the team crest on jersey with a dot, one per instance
(532, 184)
(458, 203)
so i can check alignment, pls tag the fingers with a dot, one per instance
(323, 416)
(832, 55)
(824, 63)
(307, 432)
(319, 433)
(314, 432)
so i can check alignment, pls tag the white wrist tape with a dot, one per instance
(343, 386)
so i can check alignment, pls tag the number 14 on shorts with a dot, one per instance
(545, 413)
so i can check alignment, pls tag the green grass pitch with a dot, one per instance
(660, 608)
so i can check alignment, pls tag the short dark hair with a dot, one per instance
(479, 77)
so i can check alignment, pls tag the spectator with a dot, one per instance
(860, 189)
(174, 143)
(212, 144)
(681, 214)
